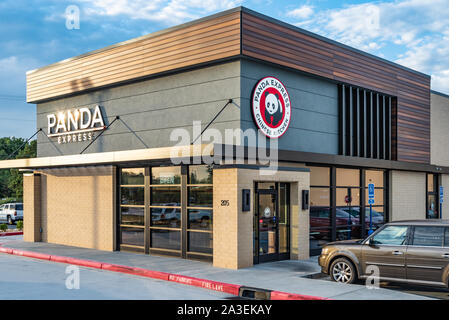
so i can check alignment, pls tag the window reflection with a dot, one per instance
(132, 216)
(166, 239)
(133, 176)
(133, 196)
(166, 196)
(200, 219)
(200, 174)
(166, 217)
(166, 175)
(200, 242)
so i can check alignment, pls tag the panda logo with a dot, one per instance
(273, 107)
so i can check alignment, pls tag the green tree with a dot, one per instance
(11, 181)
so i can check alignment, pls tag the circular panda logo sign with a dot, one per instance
(271, 107)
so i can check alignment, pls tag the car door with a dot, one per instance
(426, 258)
(387, 252)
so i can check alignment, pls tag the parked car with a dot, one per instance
(404, 251)
(11, 212)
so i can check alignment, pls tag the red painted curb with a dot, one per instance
(207, 284)
(6, 234)
(202, 283)
(279, 295)
(31, 254)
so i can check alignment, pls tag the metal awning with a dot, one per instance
(110, 158)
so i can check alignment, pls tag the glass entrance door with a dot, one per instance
(271, 222)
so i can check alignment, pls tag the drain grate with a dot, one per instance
(254, 293)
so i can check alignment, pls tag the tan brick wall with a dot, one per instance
(408, 195)
(225, 222)
(31, 207)
(233, 229)
(78, 207)
(439, 130)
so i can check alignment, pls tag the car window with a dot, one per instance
(446, 238)
(428, 236)
(392, 235)
(12, 206)
(2, 207)
(19, 206)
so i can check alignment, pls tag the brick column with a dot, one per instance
(31, 207)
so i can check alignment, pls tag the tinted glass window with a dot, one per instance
(446, 238)
(19, 206)
(392, 235)
(428, 236)
(166, 175)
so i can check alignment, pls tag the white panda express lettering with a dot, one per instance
(271, 107)
(75, 125)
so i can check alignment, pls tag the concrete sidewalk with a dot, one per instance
(287, 276)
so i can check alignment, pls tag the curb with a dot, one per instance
(233, 289)
(6, 234)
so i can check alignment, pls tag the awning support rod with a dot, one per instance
(23, 144)
(116, 118)
(216, 116)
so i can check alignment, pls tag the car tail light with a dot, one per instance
(15, 213)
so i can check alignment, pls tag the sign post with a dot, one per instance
(370, 202)
(441, 200)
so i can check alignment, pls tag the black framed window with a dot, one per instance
(200, 210)
(432, 201)
(132, 209)
(320, 213)
(165, 208)
(339, 203)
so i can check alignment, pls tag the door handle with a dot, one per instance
(398, 253)
(445, 255)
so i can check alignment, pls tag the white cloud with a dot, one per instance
(168, 12)
(302, 12)
(420, 28)
(13, 74)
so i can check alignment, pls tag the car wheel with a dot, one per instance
(343, 271)
(9, 220)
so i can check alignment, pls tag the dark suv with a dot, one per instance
(404, 251)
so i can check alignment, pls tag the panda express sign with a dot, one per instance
(271, 107)
(75, 125)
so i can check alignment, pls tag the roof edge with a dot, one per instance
(147, 36)
(317, 36)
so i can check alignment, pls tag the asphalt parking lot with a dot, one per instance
(36, 279)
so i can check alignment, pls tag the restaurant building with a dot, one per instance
(235, 138)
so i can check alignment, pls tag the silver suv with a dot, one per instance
(11, 212)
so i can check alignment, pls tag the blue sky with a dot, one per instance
(33, 33)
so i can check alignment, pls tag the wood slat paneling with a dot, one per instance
(266, 39)
(201, 42)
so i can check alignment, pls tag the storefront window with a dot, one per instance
(165, 175)
(166, 239)
(377, 212)
(199, 209)
(200, 174)
(132, 209)
(320, 207)
(432, 196)
(341, 210)
(163, 212)
(133, 176)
